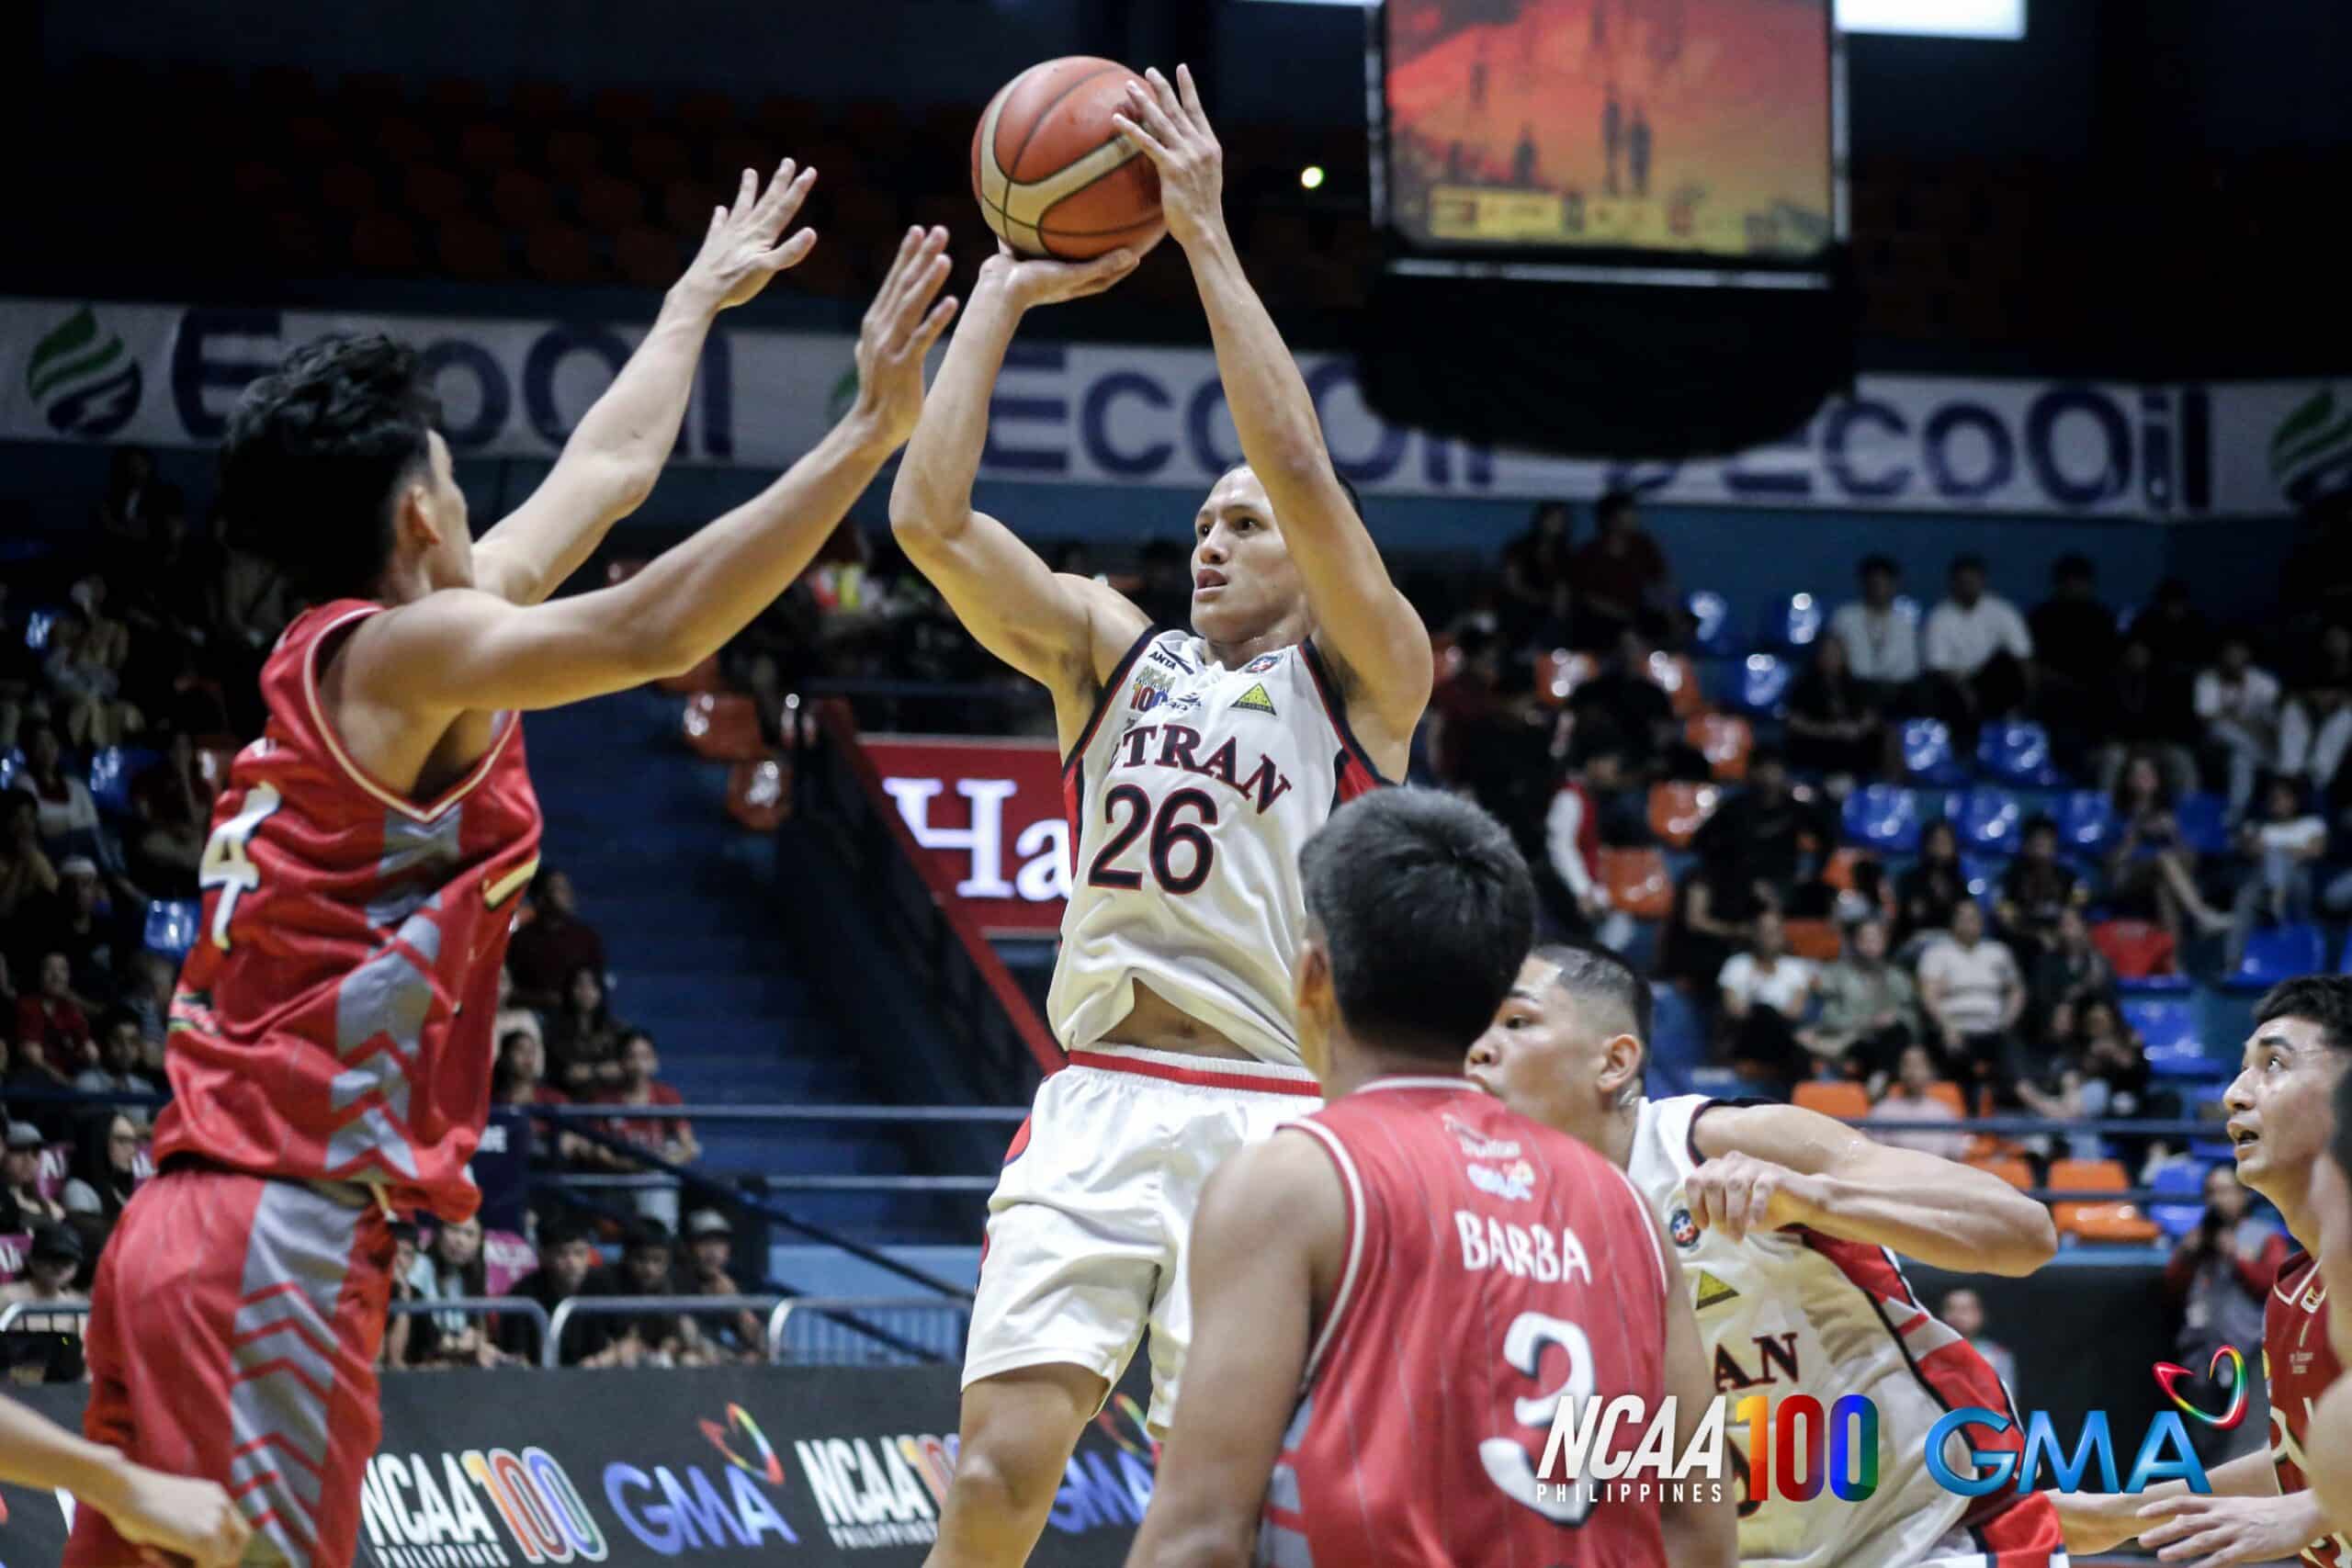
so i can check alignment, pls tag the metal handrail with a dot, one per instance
(521, 1306)
(15, 1310)
(836, 1305)
(629, 1306)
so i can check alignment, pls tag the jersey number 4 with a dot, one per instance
(1129, 809)
(227, 865)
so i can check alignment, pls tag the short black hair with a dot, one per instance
(560, 1233)
(1615, 502)
(1598, 973)
(2322, 1000)
(2039, 822)
(1767, 756)
(2073, 567)
(315, 452)
(1878, 563)
(1968, 560)
(1426, 911)
(643, 1232)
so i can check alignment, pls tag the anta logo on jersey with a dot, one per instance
(1178, 745)
(1514, 1183)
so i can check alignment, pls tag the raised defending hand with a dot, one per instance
(899, 327)
(1036, 280)
(740, 252)
(1165, 123)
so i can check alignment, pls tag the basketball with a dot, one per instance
(1052, 175)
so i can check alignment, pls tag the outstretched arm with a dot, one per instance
(1269, 1219)
(1769, 1166)
(148, 1508)
(616, 453)
(456, 652)
(1061, 630)
(1362, 622)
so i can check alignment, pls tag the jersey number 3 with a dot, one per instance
(1563, 1499)
(227, 865)
(1129, 809)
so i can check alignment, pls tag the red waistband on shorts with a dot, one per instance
(1214, 1072)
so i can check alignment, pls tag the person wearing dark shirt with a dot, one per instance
(557, 942)
(583, 1038)
(1619, 578)
(2147, 711)
(1835, 726)
(1633, 710)
(2069, 973)
(2181, 638)
(1925, 895)
(1533, 605)
(2036, 889)
(567, 1268)
(1761, 836)
(2074, 644)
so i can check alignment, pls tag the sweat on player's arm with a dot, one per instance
(1362, 622)
(1270, 1224)
(609, 464)
(1771, 1165)
(456, 652)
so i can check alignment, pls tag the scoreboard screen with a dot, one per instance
(1699, 128)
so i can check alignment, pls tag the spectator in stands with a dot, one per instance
(1870, 1009)
(67, 817)
(2150, 863)
(1619, 579)
(117, 1069)
(127, 510)
(53, 1344)
(89, 694)
(2037, 888)
(105, 1170)
(667, 1138)
(2069, 972)
(2147, 713)
(519, 1078)
(1835, 726)
(2221, 1275)
(19, 674)
(1765, 993)
(1977, 653)
(585, 1040)
(105, 641)
(452, 1267)
(567, 1268)
(2315, 731)
(2279, 852)
(1534, 606)
(2113, 1060)
(22, 1207)
(27, 876)
(1936, 885)
(52, 1032)
(2237, 702)
(1572, 839)
(2179, 639)
(1762, 835)
(1625, 707)
(1964, 1313)
(2074, 647)
(554, 944)
(717, 1338)
(651, 1339)
(150, 1000)
(77, 926)
(1470, 722)
(1880, 637)
(1974, 994)
(1910, 1097)
(399, 1328)
(173, 805)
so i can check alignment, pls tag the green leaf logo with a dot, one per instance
(2311, 452)
(84, 377)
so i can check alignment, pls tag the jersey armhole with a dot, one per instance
(1690, 1130)
(1106, 694)
(1328, 690)
(1352, 1194)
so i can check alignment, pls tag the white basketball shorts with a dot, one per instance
(1090, 1226)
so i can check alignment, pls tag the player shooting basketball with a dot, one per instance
(1199, 762)
(1786, 1224)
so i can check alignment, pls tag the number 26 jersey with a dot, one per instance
(1190, 794)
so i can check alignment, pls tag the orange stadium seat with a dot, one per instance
(573, 154)
(539, 102)
(471, 248)
(457, 98)
(621, 110)
(2016, 1172)
(655, 156)
(1839, 871)
(485, 145)
(403, 140)
(433, 192)
(724, 728)
(349, 188)
(1724, 739)
(702, 677)
(1677, 677)
(521, 200)
(608, 204)
(649, 257)
(758, 794)
(1559, 672)
(380, 243)
(1638, 882)
(558, 252)
(706, 114)
(1815, 940)
(1948, 1092)
(2093, 1220)
(1679, 810)
(1840, 1099)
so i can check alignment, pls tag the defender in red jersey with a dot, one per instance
(329, 1049)
(1392, 1297)
(2282, 1119)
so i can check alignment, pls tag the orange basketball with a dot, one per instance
(1052, 175)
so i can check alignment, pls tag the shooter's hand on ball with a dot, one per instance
(1740, 1193)
(1035, 280)
(1164, 122)
(740, 252)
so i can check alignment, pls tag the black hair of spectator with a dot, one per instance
(1968, 560)
(114, 1019)
(2073, 567)
(1424, 910)
(1607, 509)
(1878, 565)
(2172, 590)
(636, 1032)
(2039, 822)
(1767, 757)
(560, 1233)
(1601, 974)
(643, 1232)
(1472, 640)
(317, 451)
(2322, 1000)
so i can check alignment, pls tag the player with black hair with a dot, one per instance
(1393, 1294)
(1787, 1225)
(330, 1052)
(2283, 1125)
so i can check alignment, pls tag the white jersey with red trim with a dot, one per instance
(1795, 1312)
(1190, 794)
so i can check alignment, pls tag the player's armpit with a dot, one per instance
(1270, 1217)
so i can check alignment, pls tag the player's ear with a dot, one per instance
(1317, 1008)
(1620, 1067)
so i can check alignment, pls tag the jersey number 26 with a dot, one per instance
(1129, 809)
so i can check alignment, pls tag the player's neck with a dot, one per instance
(1290, 630)
(1355, 1064)
(1617, 1140)
(2295, 1211)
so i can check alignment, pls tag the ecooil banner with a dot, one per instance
(1110, 414)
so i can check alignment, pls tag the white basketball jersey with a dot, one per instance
(1191, 793)
(1795, 1312)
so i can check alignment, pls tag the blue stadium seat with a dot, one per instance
(2017, 752)
(1927, 755)
(8, 766)
(1763, 684)
(1712, 632)
(2155, 985)
(1884, 817)
(171, 926)
(36, 624)
(1989, 820)
(1797, 620)
(2281, 953)
(2086, 822)
(2186, 1179)
(2202, 823)
(111, 769)
(1983, 874)
(2167, 1027)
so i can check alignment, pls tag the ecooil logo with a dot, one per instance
(83, 378)
(2311, 452)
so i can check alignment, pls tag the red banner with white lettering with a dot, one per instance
(988, 815)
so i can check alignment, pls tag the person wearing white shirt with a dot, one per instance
(2315, 731)
(1977, 652)
(1572, 843)
(1880, 633)
(2238, 704)
(1765, 992)
(2283, 847)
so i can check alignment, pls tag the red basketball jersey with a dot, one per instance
(1493, 1267)
(2297, 1363)
(333, 1020)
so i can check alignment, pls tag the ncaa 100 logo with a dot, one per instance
(1794, 1448)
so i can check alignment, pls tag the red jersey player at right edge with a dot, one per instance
(330, 1048)
(2282, 1117)
(1392, 1296)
